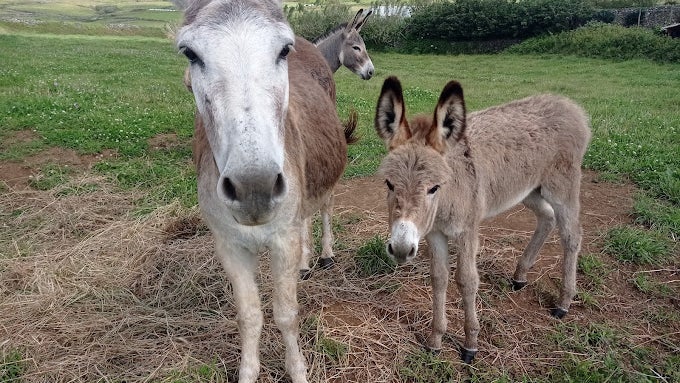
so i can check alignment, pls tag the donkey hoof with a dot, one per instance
(518, 285)
(558, 312)
(305, 274)
(467, 356)
(326, 263)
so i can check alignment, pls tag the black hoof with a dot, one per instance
(558, 312)
(305, 274)
(518, 285)
(326, 263)
(467, 356)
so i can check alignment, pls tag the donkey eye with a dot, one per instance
(357, 48)
(433, 189)
(389, 185)
(191, 55)
(284, 53)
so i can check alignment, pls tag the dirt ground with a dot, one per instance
(91, 293)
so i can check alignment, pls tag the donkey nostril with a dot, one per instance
(229, 189)
(389, 248)
(279, 186)
(412, 252)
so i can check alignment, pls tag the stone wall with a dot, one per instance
(653, 17)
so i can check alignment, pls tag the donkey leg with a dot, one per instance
(545, 223)
(467, 279)
(567, 210)
(439, 275)
(240, 266)
(326, 261)
(306, 242)
(284, 259)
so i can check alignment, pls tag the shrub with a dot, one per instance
(466, 20)
(315, 21)
(605, 41)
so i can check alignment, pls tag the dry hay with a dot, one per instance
(92, 293)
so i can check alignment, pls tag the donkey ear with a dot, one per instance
(354, 22)
(390, 114)
(363, 21)
(449, 115)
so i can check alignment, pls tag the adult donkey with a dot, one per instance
(448, 172)
(268, 148)
(341, 46)
(344, 46)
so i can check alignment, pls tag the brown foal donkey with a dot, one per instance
(447, 173)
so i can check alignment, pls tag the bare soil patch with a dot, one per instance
(90, 292)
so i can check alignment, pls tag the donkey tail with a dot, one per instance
(350, 127)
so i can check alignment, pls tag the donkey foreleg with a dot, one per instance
(545, 223)
(467, 279)
(240, 266)
(284, 260)
(439, 275)
(306, 244)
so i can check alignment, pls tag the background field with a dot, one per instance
(106, 271)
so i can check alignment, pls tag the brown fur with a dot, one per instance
(456, 171)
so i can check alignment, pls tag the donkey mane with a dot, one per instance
(329, 33)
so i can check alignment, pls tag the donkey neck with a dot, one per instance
(330, 47)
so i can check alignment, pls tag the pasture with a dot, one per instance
(107, 271)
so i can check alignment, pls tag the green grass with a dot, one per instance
(92, 93)
(372, 259)
(424, 367)
(640, 247)
(11, 366)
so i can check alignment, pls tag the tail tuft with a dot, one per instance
(350, 127)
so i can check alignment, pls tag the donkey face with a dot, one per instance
(415, 169)
(353, 53)
(239, 77)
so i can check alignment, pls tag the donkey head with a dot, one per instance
(238, 74)
(415, 169)
(353, 52)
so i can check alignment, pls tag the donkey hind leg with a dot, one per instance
(567, 209)
(563, 196)
(241, 266)
(326, 261)
(467, 279)
(545, 223)
(284, 261)
(439, 275)
(306, 243)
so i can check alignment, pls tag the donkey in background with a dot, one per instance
(341, 46)
(344, 46)
(448, 172)
(268, 149)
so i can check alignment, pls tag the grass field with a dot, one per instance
(121, 94)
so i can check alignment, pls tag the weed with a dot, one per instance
(372, 258)
(424, 367)
(12, 367)
(333, 349)
(657, 214)
(50, 176)
(640, 247)
(593, 268)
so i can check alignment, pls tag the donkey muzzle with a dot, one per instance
(253, 197)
